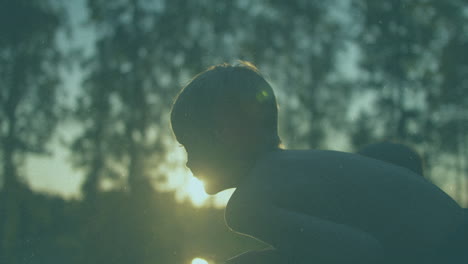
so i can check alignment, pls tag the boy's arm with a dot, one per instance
(302, 238)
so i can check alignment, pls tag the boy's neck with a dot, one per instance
(249, 162)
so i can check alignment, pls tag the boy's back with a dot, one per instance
(407, 215)
(311, 206)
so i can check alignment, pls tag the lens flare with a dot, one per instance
(199, 261)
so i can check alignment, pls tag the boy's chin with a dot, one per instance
(213, 189)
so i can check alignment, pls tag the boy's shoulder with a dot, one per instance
(255, 188)
(267, 179)
(309, 179)
(278, 169)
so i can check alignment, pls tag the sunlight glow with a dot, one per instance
(199, 261)
(196, 191)
(186, 186)
(221, 199)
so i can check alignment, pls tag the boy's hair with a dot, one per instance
(395, 153)
(233, 93)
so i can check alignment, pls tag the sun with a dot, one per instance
(187, 187)
(199, 261)
(196, 191)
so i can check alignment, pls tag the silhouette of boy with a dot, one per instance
(311, 206)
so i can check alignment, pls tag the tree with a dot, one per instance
(29, 91)
(411, 58)
(122, 100)
(394, 38)
(449, 101)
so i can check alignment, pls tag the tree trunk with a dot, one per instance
(9, 242)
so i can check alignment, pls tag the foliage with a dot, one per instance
(29, 107)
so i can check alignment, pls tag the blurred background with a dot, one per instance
(89, 169)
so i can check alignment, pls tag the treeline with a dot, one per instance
(347, 73)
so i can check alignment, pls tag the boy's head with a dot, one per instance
(395, 153)
(225, 117)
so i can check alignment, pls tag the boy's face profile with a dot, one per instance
(210, 162)
(200, 153)
(218, 156)
(223, 123)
